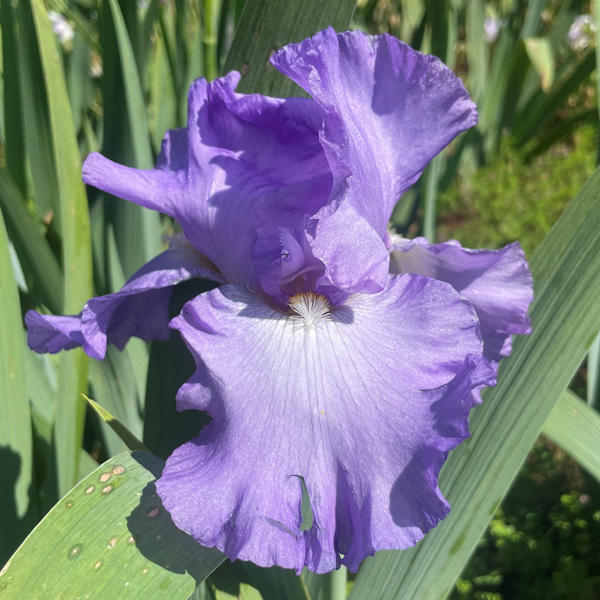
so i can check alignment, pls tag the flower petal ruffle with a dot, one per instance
(243, 164)
(139, 309)
(388, 111)
(497, 283)
(363, 405)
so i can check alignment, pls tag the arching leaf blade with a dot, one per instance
(575, 427)
(76, 244)
(109, 537)
(16, 452)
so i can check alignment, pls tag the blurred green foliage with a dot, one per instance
(545, 540)
(511, 199)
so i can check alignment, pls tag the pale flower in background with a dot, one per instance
(491, 28)
(581, 32)
(96, 69)
(61, 27)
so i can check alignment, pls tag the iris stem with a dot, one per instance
(335, 584)
(212, 11)
(432, 178)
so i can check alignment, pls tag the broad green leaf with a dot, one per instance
(336, 584)
(149, 21)
(16, 455)
(13, 110)
(522, 82)
(597, 23)
(593, 382)
(533, 18)
(195, 69)
(273, 583)
(133, 359)
(43, 274)
(477, 48)
(134, 28)
(266, 26)
(315, 583)
(565, 318)
(212, 11)
(126, 140)
(109, 537)
(430, 185)
(76, 247)
(36, 115)
(541, 56)
(41, 384)
(593, 360)
(163, 100)
(439, 22)
(492, 102)
(245, 592)
(575, 427)
(135, 106)
(79, 82)
(542, 108)
(115, 388)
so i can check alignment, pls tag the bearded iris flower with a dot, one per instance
(334, 359)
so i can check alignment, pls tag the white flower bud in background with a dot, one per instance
(491, 28)
(95, 65)
(581, 33)
(61, 27)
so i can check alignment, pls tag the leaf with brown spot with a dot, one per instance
(109, 543)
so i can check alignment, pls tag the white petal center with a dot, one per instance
(309, 310)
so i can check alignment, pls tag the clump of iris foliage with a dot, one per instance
(112, 76)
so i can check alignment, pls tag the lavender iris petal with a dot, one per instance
(363, 402)
(388, 111)
(497, 283)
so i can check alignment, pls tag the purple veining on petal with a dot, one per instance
(364, 404)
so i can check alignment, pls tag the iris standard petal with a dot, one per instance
(156, 189)
(139, 309)
(243, 164)
(388, 111)
(361, 403)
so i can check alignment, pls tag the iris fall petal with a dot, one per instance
(363, 404)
